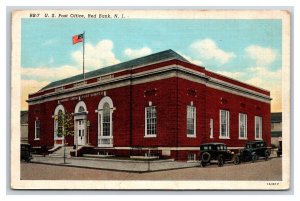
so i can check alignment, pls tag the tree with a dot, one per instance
(65, 127)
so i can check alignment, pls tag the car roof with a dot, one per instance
(255, 141)
(213, 143)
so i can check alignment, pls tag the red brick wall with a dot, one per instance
(121, 119)
(190, 91)
(171, 97)
(164, 98)
(235, 104)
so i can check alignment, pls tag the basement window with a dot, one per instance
(191, 157)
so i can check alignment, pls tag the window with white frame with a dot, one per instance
(106, 120)
(224, 124)
(59, 125)
(37, 129)
(59, 122)
(242, 126)
(258, 127)
(191, 157)
(211, 128)
(191, 120)
(151, 120)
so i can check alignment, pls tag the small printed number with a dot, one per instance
(273, 183)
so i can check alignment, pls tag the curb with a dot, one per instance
(108, 169)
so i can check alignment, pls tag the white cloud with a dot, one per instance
(265, 73)
(34, 79)
(263, 56)
(30, 86)
(135, 53)
(270, 80)
(263, 78)
(100, 55)
(234, 75)
(193, 61)
(274, 86)
(96, 56)
(208, 50)
(49, 74)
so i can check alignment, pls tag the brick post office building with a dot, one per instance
(161, 102)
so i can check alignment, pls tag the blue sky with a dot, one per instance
(247, 50)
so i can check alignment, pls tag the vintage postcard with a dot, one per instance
(150, 99)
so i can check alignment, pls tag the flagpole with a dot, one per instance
(83, 54)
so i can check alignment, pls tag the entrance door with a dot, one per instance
(81, 134)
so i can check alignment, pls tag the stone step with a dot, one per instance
(60, 152)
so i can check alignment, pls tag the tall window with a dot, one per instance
(242, 126)
(151, 120)
(106, 120)
(191, 120)
(211, 128)
(258, 127)
(37, 129)
(59, 131)
(224, 124)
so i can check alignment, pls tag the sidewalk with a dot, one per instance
(115, 165)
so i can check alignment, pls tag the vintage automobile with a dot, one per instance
(253, 150)
(26, 152)
(216, 152)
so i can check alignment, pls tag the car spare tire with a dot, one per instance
(267, 154)
(236, 159)
(220, 161)
(254, 157)
(206, 157)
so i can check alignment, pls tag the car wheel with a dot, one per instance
(203, 164)
(254, 158)
(236, 160)
(205, 157)
(220, 161)
(267, 155)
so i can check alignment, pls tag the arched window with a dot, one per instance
(58, 122)
(81, 109)
(106, 120)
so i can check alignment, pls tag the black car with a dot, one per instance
(253, 150)
(26, 152)
(216, 152)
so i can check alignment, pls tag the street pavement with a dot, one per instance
(261, 170)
